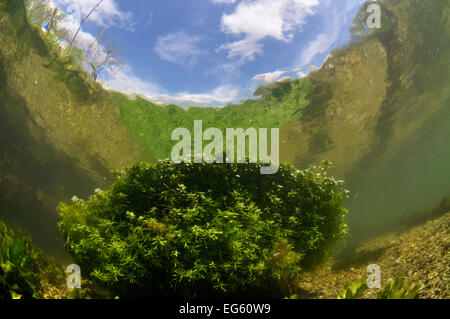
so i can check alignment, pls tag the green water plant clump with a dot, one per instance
(24, 269)
(204, 230)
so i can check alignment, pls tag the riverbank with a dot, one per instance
(419, 254)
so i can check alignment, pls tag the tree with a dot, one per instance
(99, 54)
(83, 21)
(102, 54)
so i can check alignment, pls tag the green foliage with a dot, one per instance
(197, 230)
(151, 125)
(78, 294)
(354, 291)
(399, 289)
(22, 267)
(395, 289)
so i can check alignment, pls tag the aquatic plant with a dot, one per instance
(354, 291)
(395, 289)
(399, 289)
(22, 267)
(204, 230)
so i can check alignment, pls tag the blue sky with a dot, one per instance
(211, 52)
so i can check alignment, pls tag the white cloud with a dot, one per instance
(221, 95)
(324, 41)
(269, 77)
(259, 19)
(123, 78)
(321, 44)
(244, 50)
(124, 81)
(179, 48)
(107, 14)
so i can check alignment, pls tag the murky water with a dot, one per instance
(416, 178)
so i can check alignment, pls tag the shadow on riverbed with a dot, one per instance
(353, 256)
(406, 222)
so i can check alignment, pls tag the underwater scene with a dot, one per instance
(224, 149)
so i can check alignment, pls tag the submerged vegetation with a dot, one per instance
(204, 230)
(353, 291)
(24, 269)
(277, 105)
(165, 230)
(396, 288)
